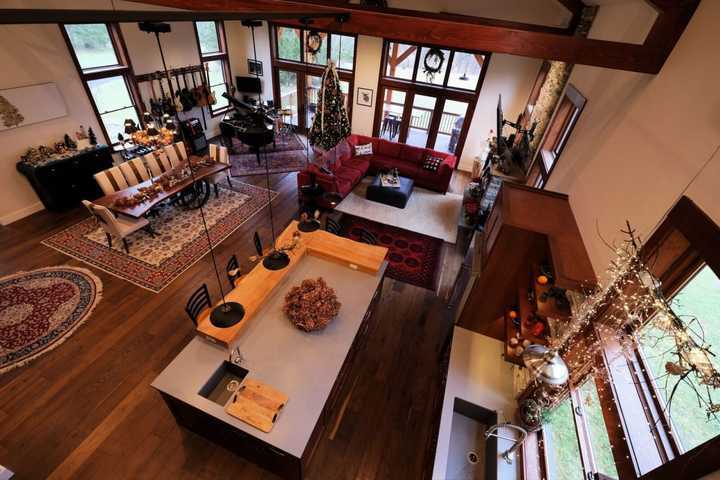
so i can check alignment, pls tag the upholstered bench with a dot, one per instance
(395, 196)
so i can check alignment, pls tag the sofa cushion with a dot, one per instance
(361, 164)
(432, 163)
(343, 150)
(350, 174)
(412, 154)
(364, 149)
(389, 149)
(344, 187)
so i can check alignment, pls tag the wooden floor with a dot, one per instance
(86, 409)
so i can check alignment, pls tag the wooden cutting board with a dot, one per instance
(256, 404)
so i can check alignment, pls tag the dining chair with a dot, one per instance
(233, 271)
(176, 153)
(111, 180)
(368, 237)
(158, 162)
(332, 226)
(220, 154)
(199, 304)
(120, 227)
(134, 171)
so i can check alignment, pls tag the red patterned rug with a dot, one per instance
(40, 309)
(153, 263)
(285, 156)
(412, 257)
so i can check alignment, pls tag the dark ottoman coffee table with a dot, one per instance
(395, 196)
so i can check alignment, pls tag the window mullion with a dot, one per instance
(583, 432)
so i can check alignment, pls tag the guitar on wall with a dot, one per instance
(176, 96)
(209, 94)
(186, 96)
(155, 104)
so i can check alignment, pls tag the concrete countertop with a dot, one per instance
(302, 365)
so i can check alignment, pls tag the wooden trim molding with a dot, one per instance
(461, 32)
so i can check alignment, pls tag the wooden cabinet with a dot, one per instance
(525, 228)
(63, 183)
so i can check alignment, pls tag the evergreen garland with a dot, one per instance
(330, 124)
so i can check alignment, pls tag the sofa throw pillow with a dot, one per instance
(432, 163)
(364, 149)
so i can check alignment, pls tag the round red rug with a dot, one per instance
(40, 309)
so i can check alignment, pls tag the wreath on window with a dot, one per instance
(433, 62)
(313, 42)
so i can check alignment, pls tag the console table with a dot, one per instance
(63, 182)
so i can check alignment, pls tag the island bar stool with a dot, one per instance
(134, 171)
(111, 180)
(199, 305)
(367, 237)
(119, 227)
(220, 154)
(233, 271)
(332, 226)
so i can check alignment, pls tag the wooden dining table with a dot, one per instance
(139, 210)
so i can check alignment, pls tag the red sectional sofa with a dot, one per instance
(347, 169)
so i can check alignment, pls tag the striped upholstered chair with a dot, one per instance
(159, 162)
(176, 153)
(134, 171)
(111, 180)
(220, 154)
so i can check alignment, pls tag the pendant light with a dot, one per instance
(275, 260)
(545, 364)
(226, 314)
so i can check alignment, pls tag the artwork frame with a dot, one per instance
(364, 97)
(255, 67)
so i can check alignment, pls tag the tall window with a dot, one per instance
(299, 59)
(556, 136)
(101, 59)
(214, 56)
(426, 95)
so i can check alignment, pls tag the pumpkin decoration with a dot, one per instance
(542, 280)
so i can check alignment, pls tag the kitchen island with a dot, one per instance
(310, 368)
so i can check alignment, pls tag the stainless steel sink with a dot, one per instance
(216, 388)
(470, 456)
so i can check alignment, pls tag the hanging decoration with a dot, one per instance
(330, 124)
(313, 42)
(433, 62)
(629, 298)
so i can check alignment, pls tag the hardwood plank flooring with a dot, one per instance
(86, 409)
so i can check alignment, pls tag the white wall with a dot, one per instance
(241, 49)
(511, 76)
(367, 69)
(643, 140)
(33, 54)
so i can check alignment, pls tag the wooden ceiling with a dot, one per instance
(483, 34)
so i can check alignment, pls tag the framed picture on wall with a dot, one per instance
(255, 67)
(364, 97)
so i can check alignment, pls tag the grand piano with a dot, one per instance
(252, 125)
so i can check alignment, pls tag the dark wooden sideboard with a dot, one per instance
(64, 182)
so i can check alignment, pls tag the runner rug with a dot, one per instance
(412, 257)
(40, 309)
(180, 240)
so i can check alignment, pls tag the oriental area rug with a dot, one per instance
(287, 155)
(179, 242)
(40, 309)
(412, 257)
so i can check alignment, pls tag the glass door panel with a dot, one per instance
(451, 126)
(289, 95)
(312, 89)
(421, 117)
(392, 114)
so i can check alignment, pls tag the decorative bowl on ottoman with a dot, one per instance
(311, 305)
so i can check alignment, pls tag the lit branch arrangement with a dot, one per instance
(629, 298)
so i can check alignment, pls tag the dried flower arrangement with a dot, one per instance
(312, 305)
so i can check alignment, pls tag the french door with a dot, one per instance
(424, 120)
(298, 94)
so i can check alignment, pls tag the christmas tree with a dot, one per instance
(330, 124)
(11, 116)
